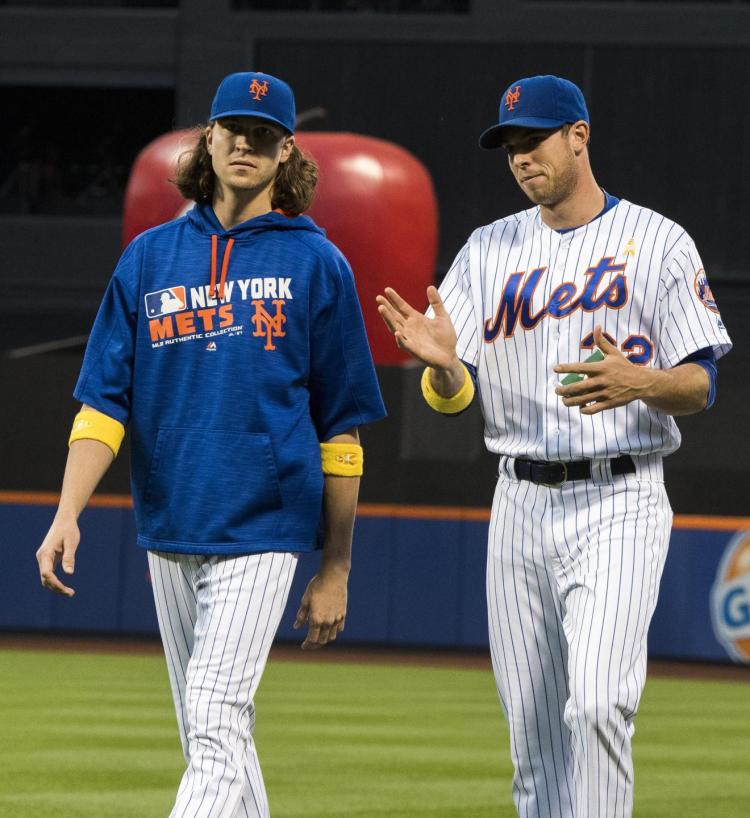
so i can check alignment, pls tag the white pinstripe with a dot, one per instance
(218, 617)
(523, 416)
(572, 580)
(573, 572)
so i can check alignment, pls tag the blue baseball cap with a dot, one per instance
(252, 93)
(536, 102)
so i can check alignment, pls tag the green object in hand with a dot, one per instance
(574, 377)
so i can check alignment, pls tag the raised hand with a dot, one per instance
(430, 340)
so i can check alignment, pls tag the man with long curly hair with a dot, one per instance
(232, 342)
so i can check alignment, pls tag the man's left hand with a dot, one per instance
(323, 607)
(609, 383)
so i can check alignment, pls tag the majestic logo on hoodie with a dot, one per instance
(178, 314)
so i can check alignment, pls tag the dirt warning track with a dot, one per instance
(375, 654)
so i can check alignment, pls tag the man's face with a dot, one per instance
(246, 151)
(543, 162)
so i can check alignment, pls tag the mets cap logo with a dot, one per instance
(258, 89)
(703, 291)
(730, 598)
(512, 97)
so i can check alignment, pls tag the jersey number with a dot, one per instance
(638, 349)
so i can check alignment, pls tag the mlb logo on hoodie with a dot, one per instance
(164, 302)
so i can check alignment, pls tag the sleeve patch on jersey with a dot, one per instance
(703, 291)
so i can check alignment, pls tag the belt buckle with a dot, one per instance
(564, 476)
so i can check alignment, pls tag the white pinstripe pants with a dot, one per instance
(218, 617)
(572, 581)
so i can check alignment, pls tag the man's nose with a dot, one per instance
(244, 142)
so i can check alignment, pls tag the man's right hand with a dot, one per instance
(430, 340)
(59, 546)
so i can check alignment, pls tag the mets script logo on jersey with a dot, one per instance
(703, 291)
(730, 598)
(258, 89)
(164, 302)
(512, 97)
(267, 324)
(515, 305)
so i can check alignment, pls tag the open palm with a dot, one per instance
(430, 340)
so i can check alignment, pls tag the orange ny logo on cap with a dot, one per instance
(511, 98)
(258, 89)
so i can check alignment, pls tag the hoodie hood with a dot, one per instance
(203, 219)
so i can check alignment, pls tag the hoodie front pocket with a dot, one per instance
(208, 486)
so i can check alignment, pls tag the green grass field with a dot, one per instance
(94, 736)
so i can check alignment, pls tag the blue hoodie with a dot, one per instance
(231, 354)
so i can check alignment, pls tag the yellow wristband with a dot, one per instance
(89, 424)
(448, 406)
(342, 459)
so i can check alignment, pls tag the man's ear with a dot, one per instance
(580, 133)
(286, 149)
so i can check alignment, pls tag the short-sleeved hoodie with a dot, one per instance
(228, 397)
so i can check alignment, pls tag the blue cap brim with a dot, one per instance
(492, 137)
(245, 112)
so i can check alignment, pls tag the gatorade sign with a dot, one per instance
(730, 598)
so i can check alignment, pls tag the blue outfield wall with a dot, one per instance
(416, 582)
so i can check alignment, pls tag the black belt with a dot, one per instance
(555, 474)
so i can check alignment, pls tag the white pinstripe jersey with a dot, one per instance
(524, 297)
